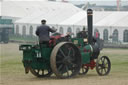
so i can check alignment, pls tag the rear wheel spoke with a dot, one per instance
(60, 67)
(69, 52)
(62, 52)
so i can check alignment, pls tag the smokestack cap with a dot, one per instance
(89, 11)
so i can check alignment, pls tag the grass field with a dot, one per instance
(12, 70)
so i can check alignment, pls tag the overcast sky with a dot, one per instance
(98, 2)
(65, 0)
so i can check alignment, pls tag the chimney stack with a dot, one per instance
(90, 25)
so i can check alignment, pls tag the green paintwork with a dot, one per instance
(86, 54)
(79, 42)
(32, 56)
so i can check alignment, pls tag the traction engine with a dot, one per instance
(66, 56)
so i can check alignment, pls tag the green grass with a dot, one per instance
(10, 65)
(119, 60)
(11, 58)
(23, 38)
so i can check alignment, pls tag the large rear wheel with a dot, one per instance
(65, 60)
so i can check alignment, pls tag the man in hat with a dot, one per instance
(43, 33)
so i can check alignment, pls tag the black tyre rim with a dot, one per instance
(103, 66)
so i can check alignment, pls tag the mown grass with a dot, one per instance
(23, 38)
(11, 62)
(11, 58)
(119, 61)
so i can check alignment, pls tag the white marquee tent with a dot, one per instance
(34, 11)
(65, 15)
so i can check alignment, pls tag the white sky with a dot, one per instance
(98, 2)
(61, 0)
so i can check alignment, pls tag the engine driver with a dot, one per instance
(43, 33)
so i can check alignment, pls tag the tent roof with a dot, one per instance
(100, 18)
(33, 12)
(112, 19)
(122, 22)
(53, 12)
(81, 18)
(30, 8)
(75, 18)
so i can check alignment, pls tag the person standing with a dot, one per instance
(43, 32)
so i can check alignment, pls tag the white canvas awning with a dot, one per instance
(53, 12)
(112, 19)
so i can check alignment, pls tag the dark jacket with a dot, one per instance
(43, 33)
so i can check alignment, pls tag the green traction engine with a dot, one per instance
(66, 56)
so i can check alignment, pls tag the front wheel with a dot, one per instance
(103, 66)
